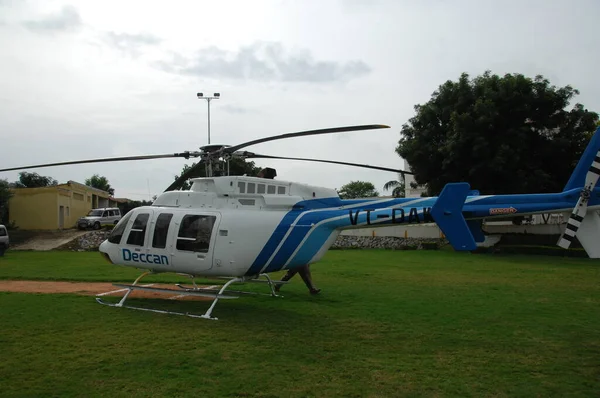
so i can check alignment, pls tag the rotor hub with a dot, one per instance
(213, 148)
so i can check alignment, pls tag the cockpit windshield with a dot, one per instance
(117, 232)
(95, 213)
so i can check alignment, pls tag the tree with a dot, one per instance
(34, 180)
(507, 134)
(237, 167)
(397, 187)
(357, 189)
(5, 195)
(126, 207)
(99, 183)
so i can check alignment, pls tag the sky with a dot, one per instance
(95, 79)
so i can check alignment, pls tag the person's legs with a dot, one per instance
(289, 275)
(304, 272)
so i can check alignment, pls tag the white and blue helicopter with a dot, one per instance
(242, 228)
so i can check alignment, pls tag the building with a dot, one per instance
(410, 182)
(55, 207)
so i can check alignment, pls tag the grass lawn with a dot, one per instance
(387, 323)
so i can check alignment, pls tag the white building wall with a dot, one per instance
(412, 192)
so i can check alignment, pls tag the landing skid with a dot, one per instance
(215, 294)
(253, 280)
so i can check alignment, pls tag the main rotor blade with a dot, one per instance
(177, 183)
(308, 132)
(118, 159)
(256, 155)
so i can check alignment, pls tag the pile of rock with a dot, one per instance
(386, 242)
(92, 240)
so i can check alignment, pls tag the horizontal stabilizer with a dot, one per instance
(447, 213)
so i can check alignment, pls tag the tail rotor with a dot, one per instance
(580, 210)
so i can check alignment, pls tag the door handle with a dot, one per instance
(200, 255)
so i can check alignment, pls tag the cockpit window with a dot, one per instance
(161, 230)
(137, 233)
(117, 233)
(195, 233)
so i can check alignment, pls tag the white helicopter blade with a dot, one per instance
(580, 209)
(186, 155)
(251, 155)
(305, 133)
(573, 224)
(230, 150)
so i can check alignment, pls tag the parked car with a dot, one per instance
(4, 241)
(96, 218)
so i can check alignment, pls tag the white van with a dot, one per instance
(96, 218)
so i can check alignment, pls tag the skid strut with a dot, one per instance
(198, 293)
(210, 292)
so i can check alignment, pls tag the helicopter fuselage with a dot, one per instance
(244, 226)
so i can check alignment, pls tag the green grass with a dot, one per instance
(387, 323)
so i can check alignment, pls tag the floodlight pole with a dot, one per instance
(208, 99)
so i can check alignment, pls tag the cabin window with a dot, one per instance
(138, 230)
(271, 189)
(117, 232)
(261, 188)
(251, 187)
(281, 190)
(161, 230)
(195, 232)
(242, 187)
(2, 231)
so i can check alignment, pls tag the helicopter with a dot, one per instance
(244, 228)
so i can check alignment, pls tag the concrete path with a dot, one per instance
(50, 241)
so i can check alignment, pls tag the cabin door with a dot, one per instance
(194, 241)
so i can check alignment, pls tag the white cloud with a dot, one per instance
(262, 61)
(66, 19)
(131, 44)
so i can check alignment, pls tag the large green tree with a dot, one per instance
(502, 134)
(237, 167)
(358, 189)
(99, 182)
(5, 194)
(34, 180)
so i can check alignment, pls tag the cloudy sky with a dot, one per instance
(93, 79)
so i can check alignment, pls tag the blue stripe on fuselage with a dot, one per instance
(320, 234)
(305, 208)
(303, 226)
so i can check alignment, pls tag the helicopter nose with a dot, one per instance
(104, 250)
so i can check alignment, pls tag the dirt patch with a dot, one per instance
(92, 289)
